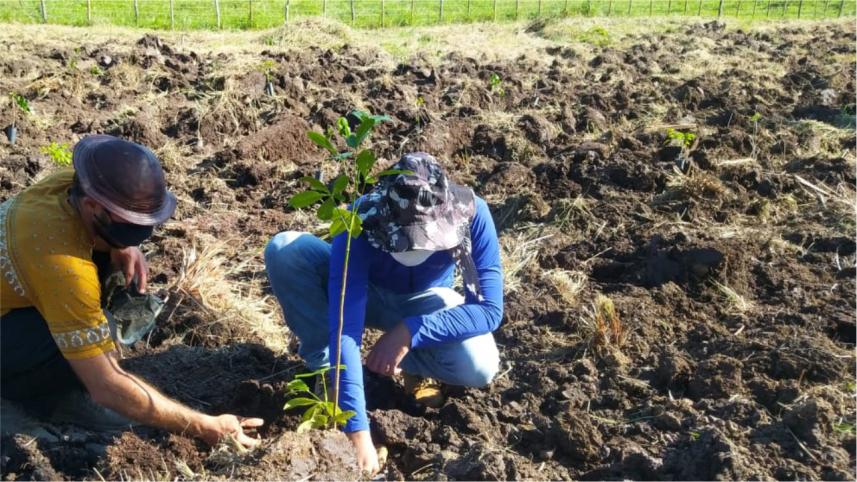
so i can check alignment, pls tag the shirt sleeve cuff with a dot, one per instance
(414, 324)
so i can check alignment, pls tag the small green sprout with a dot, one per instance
(686, 138)
(496, 84)
(96, 71)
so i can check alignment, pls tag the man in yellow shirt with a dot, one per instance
(58, 356)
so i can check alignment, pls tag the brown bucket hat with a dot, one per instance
(124, 177)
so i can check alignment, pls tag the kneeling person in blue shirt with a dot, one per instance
(417, 229)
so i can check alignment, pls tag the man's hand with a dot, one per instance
(389, 351)
(218, 427)
(367, 457)
(131, 261)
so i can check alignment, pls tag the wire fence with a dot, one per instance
(259, 14)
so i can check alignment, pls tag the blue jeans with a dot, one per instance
(298, 266)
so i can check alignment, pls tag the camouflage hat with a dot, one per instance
(422, 211)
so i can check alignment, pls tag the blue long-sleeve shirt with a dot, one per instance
(371, 265)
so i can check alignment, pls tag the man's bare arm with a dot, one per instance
(122, 392)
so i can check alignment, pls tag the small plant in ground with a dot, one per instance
(597, 35)
(686, 138)
(320, 412)
(605, 328)
(419, 105)
(267, 68)
(96, 71)
(73, 64)
(358, 175)
(495, 84)
(59, 153)
(755, 118)
(21, 102)
(845, 428)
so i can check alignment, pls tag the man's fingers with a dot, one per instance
(142, 277)
(252, 422)
(247, 441)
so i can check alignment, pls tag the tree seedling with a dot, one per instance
(59, 153)
(267, 68)
(357, 166)
(96, 71)
(21, 103)
(320, 412)
(686, 138)
(495, 84)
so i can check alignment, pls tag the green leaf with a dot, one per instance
(304, 199)
(342, 417)
(321, 141)
(315, 184)
(339, 157)
(319, 421)
(390, 172)
(357, 227)
(310, 413)
(340, 184)
(325, 211)
(327, 369)
(365, 162)
(305, 426)
(363, 131)
(370, 180)
(299, 402)
(337, 228)
(297, 385)
(351, 141)
(344, 129)
(328, 407)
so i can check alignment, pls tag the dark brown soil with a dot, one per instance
(731, 261)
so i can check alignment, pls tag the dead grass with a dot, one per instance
(602, 326)
(567, 284)
(518, 253)
(695, 184)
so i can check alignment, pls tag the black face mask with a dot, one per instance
(121, 235)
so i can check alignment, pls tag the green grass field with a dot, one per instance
(236, 14)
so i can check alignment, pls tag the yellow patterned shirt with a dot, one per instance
(46, 263)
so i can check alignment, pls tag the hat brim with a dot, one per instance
(85, 149)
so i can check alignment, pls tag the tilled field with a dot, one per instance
(729, 255)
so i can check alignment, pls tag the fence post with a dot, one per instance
(565, 9)
(738, 9)
(353, 14)
(217, 12)
(440, 13)
(669, 8)
(136, 13)
(412, 10)
(754, 8)
(815, 10)
(824, 14)
(384, 13)
(468, 9)
(785, 7)
(45, 12)
(517, 6)
(250, 11)
(685, 7)
(720, 10)
(699, 10)
(650, 7)
(172, 17)
(610, 8)
(630, 2)
(841, 4)
(768, 10)
(288, 7)
(89, 12)
(495, 9)
(799, 8)
(540, 7)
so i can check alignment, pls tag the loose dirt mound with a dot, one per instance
(729, 256)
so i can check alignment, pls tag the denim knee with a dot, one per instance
(280, 250)
(477, 364)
